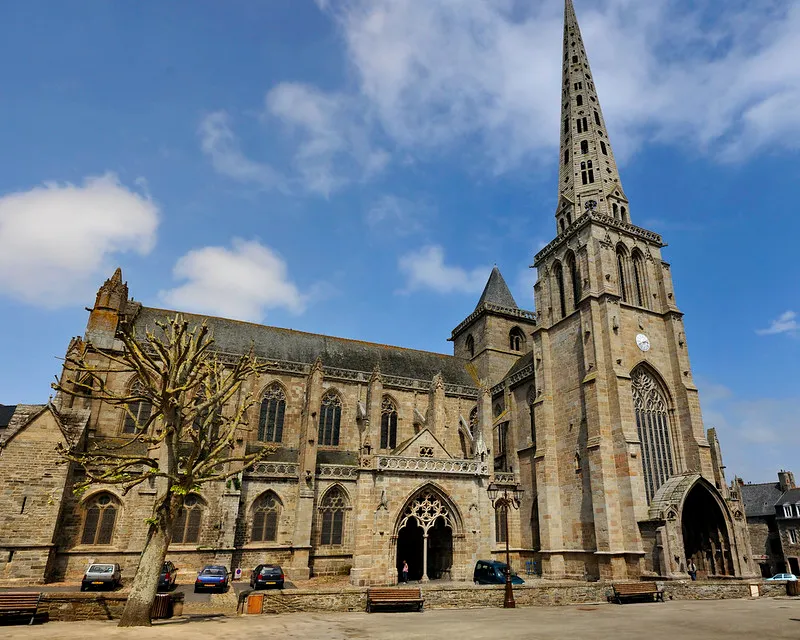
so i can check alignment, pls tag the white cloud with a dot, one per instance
(425, 269)
(327, 132)
(221, 145)
(59, 240)
(439, 72)
(398, 216)
(785, 323)
(241, 282)
(333, 145)
(758, 435)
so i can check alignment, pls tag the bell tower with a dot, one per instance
(609, 345)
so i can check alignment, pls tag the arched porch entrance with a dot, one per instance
(705, 533)
(425, 537)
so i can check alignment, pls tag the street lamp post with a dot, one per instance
(503, 498)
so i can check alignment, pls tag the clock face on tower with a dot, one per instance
(643, 342)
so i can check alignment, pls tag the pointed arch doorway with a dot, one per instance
(705, 533)
(425, 537)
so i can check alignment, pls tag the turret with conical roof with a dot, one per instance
(588, 178)
(495, 334)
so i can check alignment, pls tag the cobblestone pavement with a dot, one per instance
(773, 618)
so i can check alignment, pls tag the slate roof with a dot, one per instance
(6, 411)
(792, 496)
(520, 364)
(760, 499)
(234, 336)
(497, 292)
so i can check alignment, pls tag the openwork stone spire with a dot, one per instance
(588, 177)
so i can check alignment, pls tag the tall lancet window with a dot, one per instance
(652, 423)
(388, 423)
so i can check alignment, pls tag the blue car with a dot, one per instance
(213, 576)
(493, 572)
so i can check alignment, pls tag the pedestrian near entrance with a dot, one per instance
(691, 567)
(405, 571)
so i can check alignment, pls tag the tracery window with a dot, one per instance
(622, 263)
(330, 416)
(266, 513)
(186, 528)
(559, 276)
(388, 423)
(639, 277)
(587, 172)
(652, 422)
(332, 514)
(101, 515)
(273, 409)
(138, 413)
(500, 524)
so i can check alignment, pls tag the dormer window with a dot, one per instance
(787, 511)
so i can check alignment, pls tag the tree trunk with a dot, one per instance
(145, 583)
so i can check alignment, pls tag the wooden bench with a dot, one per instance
(394, 598)
(19, 603)
(638, 590)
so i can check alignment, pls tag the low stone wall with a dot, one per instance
(70, 607)
(468, 596)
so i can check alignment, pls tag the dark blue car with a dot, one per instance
(213, 576)
(493, 572)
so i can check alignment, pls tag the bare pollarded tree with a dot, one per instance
(197, 412)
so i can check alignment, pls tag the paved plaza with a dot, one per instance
(772, 618)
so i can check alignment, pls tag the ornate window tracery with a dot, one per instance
(266, 513)
(186, 528)
(330, 417)
(101, 515)
(273, 409)
(426, 509)
(388, 423)
(332, 515)
(652, 423)
(138, 413)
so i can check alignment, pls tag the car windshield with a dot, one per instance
(214, 571)
(101, 568)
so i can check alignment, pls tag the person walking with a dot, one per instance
(405, 571)
(691, 567)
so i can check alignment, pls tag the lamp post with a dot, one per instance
(503, 498)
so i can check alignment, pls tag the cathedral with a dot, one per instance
(586, 408)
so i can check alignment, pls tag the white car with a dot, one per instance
(784, 576)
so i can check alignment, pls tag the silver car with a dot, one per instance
(101, 575)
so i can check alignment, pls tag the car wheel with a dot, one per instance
(83, 587)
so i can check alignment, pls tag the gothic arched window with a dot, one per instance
(566, 156)
(559, 276)
(266, 512)
(624, 212)
(500, 515)
(388, 423)
(101, 515)
(603, 148)
(615, 209)
(622, 264)
(579, 100)
(330, 417)
(584, 146)
(273, 409)
(652, 423)
(186, 528)
(531, 399)
(516, 339)
(575, 279)
(332, 516)
(137, 413)
(473, 422)
(471, 346)
(640, 279)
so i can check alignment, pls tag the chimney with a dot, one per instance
(786, 480)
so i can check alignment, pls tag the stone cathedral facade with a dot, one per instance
(386, 454)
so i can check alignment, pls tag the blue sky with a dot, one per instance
(356, 167)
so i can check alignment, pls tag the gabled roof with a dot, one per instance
(424, 438)
(71, 422)
(760, 499)
(497, 292)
